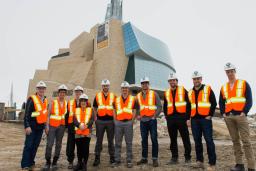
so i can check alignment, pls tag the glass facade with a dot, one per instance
(148, 56)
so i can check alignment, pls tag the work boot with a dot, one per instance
(70, 165)
(173, 161)
(142, 161)
(84, 166)
(47, 165)
(96, 161)
(112, 160)
(54, 164)
(78, 167)
(211, 168)
(198, 165)
(155, 163)
(129, 164)
(116, 164)
(238, 167)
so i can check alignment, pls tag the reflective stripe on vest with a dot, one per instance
(83, 118)
(147, 105)
(124, 110)
(180, 102)
(235, 99)
(71, 109)
(41, 111)
(203, 103)
(105, 106)
(58, 113)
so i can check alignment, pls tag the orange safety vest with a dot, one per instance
(71, 109)
(124, 110)
(147, 105)
(180, 102)
(83, 117)
(203, 103)
(58, 113)
(41, 111)
(235, 98)
(105, 106)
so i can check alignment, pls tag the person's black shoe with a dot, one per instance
(251, 169)
(173, 161)
(78, 167)
(187, 161)
(47, 166)
(96, 161)
(155, 163)
(70, 165)
(238, 167)
(116, 164)
(112, 160)
(142, 161)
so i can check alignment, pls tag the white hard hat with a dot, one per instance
(172, 76)
(83, 96)
(79, 88)
(41, 84)
(229, 66)
(196, 74)
(62, 87)
(125, 84)
(144, 79)
(105, 82)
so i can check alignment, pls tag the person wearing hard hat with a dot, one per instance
(177, 110)
(72, 104)
(104, 109)
(124, 115)
(235, 102)
(149, 107)
(34, 123)
(83, 122)
(55, 127)
(203, 105)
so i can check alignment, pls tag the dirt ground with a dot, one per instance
(12, 140)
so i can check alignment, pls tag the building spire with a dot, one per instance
(114, 10)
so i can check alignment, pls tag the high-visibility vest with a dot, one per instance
(83, 117)
(58, 113)
(235, 98)
(105, 106)
(180, 102)
(203, 101)
(41, 111)
(71, 109)
(147, 105)
(124, 110)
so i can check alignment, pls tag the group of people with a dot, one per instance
(116, 115)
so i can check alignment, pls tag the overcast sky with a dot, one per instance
(201, 34)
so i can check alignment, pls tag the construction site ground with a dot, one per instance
(12, 142)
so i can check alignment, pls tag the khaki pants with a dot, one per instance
(239, 128)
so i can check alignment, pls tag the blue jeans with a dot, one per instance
(146, 128)
(203, 127)
(32, 142)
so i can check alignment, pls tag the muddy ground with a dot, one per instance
(12, 140)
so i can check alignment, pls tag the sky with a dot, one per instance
(202, 35)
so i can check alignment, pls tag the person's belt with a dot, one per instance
(125, 120)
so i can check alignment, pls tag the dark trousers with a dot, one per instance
(70, 149)
(83, 146)
(32, 142)
(175, 125)
(101, 127)
(146, 128)
(203, 127)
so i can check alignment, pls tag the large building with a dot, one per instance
(114, 50)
